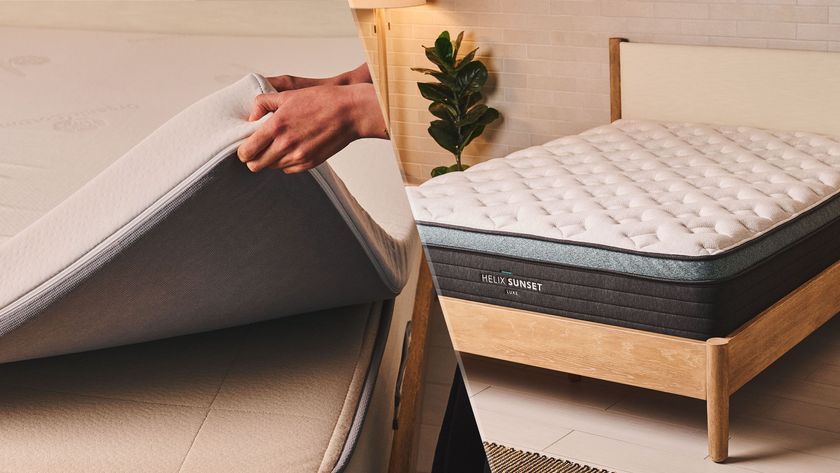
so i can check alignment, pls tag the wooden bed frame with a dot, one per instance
(712, 370)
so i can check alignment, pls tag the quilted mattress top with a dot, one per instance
(675, 189)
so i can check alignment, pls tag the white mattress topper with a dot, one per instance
(65, 195)
(75, 101)
(665, 188)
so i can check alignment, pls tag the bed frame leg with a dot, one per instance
(717, 398)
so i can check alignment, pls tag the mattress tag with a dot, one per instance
(511, 283)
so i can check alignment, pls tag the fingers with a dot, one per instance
(292, 157)
(265, 103)
(298, 168)
(281, 83)
(293, 166)
(272, 155)
(259, 141)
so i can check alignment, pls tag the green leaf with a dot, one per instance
(445, 78)
(454, 168)
(432, 55)
(466, 59)
(472, 77)
(472, 115)
(473, 99)
(457, 45)
(443, 48)
(442, 110)
(445, 134)
(434, 92)
(440, 170)
(472, 132)
(488, 116)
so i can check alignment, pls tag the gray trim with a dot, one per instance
(366, 397)
(726, 265)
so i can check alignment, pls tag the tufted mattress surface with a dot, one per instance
(679, 228)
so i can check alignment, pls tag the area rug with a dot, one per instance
(504, 459)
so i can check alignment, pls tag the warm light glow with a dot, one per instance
(367, 4)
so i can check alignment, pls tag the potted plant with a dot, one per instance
(455, 98)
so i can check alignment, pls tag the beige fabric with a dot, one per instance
(771, 89)
(269, 397)
(116, 89)
(241, 17)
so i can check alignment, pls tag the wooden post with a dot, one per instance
(403, 443)
(615, 78)
(717, 397)
(382, 26)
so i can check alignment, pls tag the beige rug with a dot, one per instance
(510, 460)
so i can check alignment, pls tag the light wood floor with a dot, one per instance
(786, 420)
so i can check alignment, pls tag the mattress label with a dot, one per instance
(511, 283)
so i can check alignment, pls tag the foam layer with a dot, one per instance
(177, 236)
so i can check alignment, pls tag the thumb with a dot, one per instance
(265, 103)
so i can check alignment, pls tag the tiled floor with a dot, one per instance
(786, 420)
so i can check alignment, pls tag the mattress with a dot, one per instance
(291, 395)
(676, 228)
(127, 217)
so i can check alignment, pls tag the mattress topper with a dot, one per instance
(674, 189)
(176, 236)
(53, 140)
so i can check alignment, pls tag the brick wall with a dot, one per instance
(548, 58)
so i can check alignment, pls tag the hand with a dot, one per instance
(359, 75)
(310, 125)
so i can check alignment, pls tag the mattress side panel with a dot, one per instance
(698, 310)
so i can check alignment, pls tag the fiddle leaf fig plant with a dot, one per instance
(455, 98)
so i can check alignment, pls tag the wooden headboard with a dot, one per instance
(762, 88)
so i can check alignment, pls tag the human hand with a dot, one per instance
(310, 125)
(359, 75)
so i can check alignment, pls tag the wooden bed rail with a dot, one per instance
(711, 370)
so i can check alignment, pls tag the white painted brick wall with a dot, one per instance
(548, 58)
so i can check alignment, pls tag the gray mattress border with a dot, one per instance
(674, 267)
